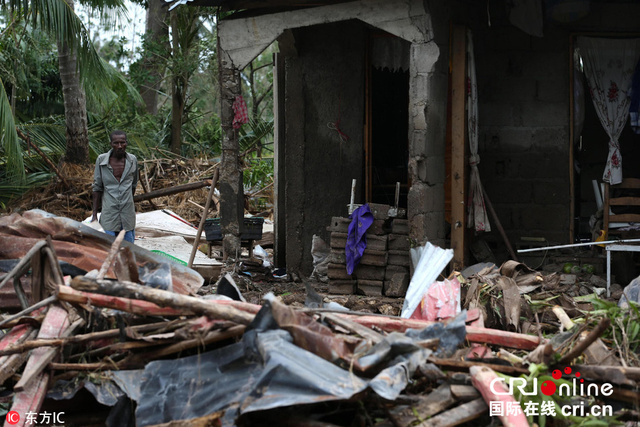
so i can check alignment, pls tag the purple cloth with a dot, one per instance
(361, 220)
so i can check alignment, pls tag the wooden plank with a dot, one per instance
(458, 146)
(464, 393)
(437, 401)
(171, 190)
(55, 323)
(459, 415)
(30, 399)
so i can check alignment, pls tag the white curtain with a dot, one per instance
(608, 66)
(476, 210)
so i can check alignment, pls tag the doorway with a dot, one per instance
(387, 141)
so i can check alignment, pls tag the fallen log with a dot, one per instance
(162, 298)
(172, 190)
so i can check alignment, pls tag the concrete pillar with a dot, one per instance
(231, 189)
(427, 121)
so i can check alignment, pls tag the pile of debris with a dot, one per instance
(110, 344)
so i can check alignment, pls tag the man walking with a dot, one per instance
(114, 183)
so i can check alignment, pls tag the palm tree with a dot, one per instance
(57, 18)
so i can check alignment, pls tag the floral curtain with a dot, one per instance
(476, 210)
(608, 66)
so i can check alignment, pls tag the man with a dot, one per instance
(114, 183)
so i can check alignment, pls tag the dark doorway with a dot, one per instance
(389, 135)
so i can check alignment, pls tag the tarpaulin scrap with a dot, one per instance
(361, 220)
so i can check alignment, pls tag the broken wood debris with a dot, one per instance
(399, 371)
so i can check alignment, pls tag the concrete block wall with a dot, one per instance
(523, 91)
(325, 83)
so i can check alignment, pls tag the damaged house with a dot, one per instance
(429, 94)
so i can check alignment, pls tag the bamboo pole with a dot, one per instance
(203, 219)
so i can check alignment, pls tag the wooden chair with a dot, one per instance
(621, 207)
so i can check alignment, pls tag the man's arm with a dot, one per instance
(97, 201)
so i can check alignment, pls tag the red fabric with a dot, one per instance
(241, 116)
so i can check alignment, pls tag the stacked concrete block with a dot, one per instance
(384, 266)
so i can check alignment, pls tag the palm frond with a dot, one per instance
(9, 139)
(58, 19)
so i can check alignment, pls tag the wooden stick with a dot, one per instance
(172, 190)
(211, 337)
(458, 415)
(498, 224)
(115, 246)
(474, 334)
(23, 263)
(463, 365)
(60, 342)
(586, 342)
(484, 379)
(139, 307)
(34, 307)
(46, 158)
(203, 219)
(162, 298)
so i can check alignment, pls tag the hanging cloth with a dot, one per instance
(241, 116)
(608, 66)
(361, 220)
(634, 106)
(476, 211)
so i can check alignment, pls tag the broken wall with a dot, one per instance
(324, 84)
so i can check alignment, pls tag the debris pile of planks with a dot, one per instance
(147, 356)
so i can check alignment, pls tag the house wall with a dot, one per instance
(324, 83)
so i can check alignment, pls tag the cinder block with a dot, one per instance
(399, 258)
(379, 227)
(399, 242)
(338, 271)
(394, 269)
(397, 286)
(370, 257)
(379, 210)
(370, 287)
(343, 287)
(400, 226)
(338, 240)
(369, 272)
(339, 224)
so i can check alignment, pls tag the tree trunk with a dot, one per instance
(231, 189)
(178, 91)
(157, 32)
(75, 106)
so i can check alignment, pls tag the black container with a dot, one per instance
(251, 229)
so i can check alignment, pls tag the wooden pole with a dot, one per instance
(170, 191)
(203, 219)
(458, 146)
(162, 298)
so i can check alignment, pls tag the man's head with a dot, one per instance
(118, 143)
